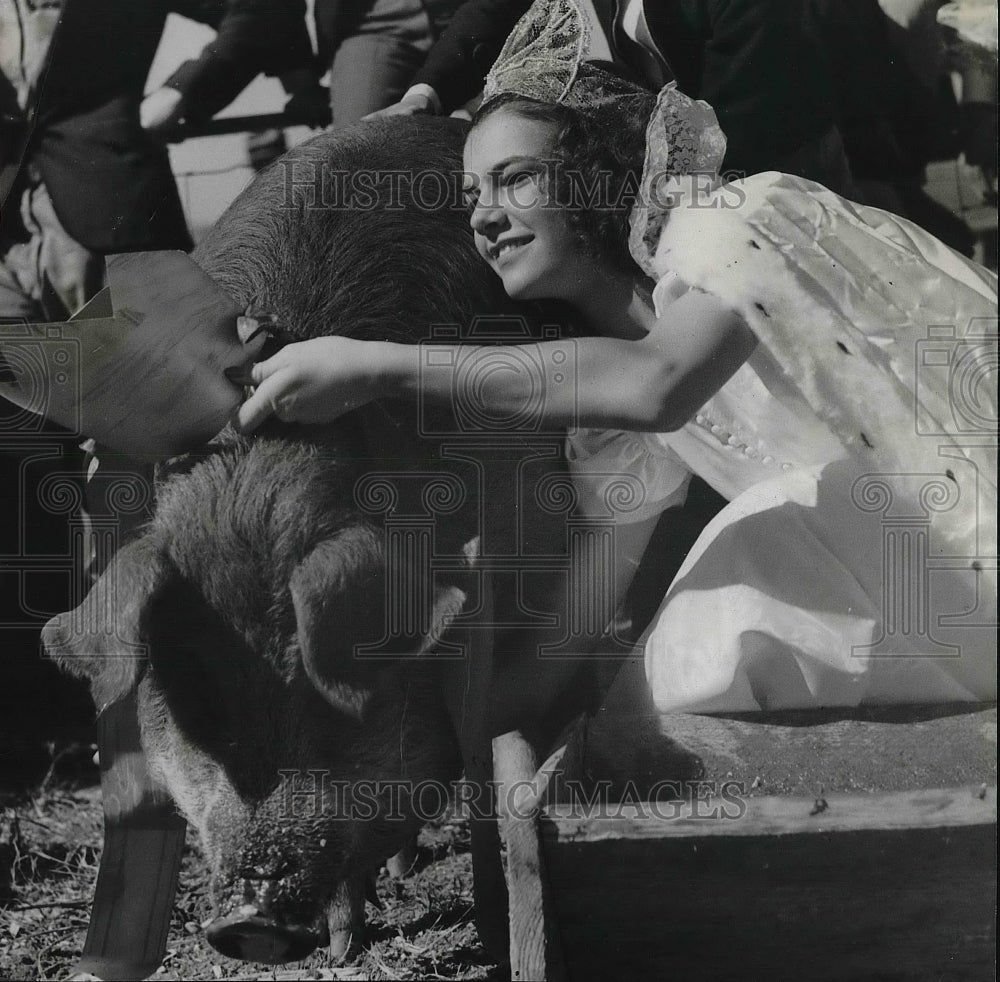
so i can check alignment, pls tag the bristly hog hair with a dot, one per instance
(233, 527)
(273, 258)
(237, 522)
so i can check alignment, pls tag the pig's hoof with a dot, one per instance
(255, 938)
(345, 945)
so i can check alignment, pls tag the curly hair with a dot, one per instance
(598, 155)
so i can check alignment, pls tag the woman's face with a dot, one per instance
(520, 231)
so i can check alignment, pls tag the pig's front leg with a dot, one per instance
(346, 917)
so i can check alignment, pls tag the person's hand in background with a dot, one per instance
(413, 103)
(161, 110)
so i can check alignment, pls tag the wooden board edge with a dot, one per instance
(726, 811)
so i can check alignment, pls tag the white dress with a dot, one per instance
(856, 560)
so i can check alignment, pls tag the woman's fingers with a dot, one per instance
(312, 381)
(264, 401)
(270, 398)
(262, 370)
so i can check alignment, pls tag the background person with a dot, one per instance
(81, 178)
(373, 48)
(753, 62)
(72, 96)
(370, 48)
(895, 107)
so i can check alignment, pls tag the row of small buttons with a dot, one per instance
(724, 436)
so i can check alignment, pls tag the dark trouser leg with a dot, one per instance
(823, 160)
(373, 66)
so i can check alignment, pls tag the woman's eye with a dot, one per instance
(517, 176)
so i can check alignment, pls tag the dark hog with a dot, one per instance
(289, 652)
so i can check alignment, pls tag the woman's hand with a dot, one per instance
(316, 381)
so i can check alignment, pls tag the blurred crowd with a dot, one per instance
(858, 94)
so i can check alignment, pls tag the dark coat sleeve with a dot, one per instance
(754, 62)
(762, 65)
(87, 135)
(458, 63)
(254, 36)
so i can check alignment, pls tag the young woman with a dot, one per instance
(764, 334)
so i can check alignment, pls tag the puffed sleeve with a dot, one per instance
(629, 477)
(669, 288)
(624, 477)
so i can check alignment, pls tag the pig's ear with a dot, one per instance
(336, 591)
(102, 639)
(339, 597)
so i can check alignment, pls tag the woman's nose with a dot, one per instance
(486, 216)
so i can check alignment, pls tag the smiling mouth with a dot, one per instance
(507, 246)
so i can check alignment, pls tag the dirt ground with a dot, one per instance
(50, 839)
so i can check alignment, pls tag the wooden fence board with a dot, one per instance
(888, 886)
(778, 899)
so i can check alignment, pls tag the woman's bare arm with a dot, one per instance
(653, 384)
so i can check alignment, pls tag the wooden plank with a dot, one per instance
(885, 748)
(149, 380)
(143, 845)
(743, 877)
(890, 886)
(534, 944)
(892, 748)
(913, 904)
(708, 810)
(236, 124)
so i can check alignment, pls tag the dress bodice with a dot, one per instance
(844, 301)
(752, 429)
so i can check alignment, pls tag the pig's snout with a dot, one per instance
(249, 934)
(255, 931)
